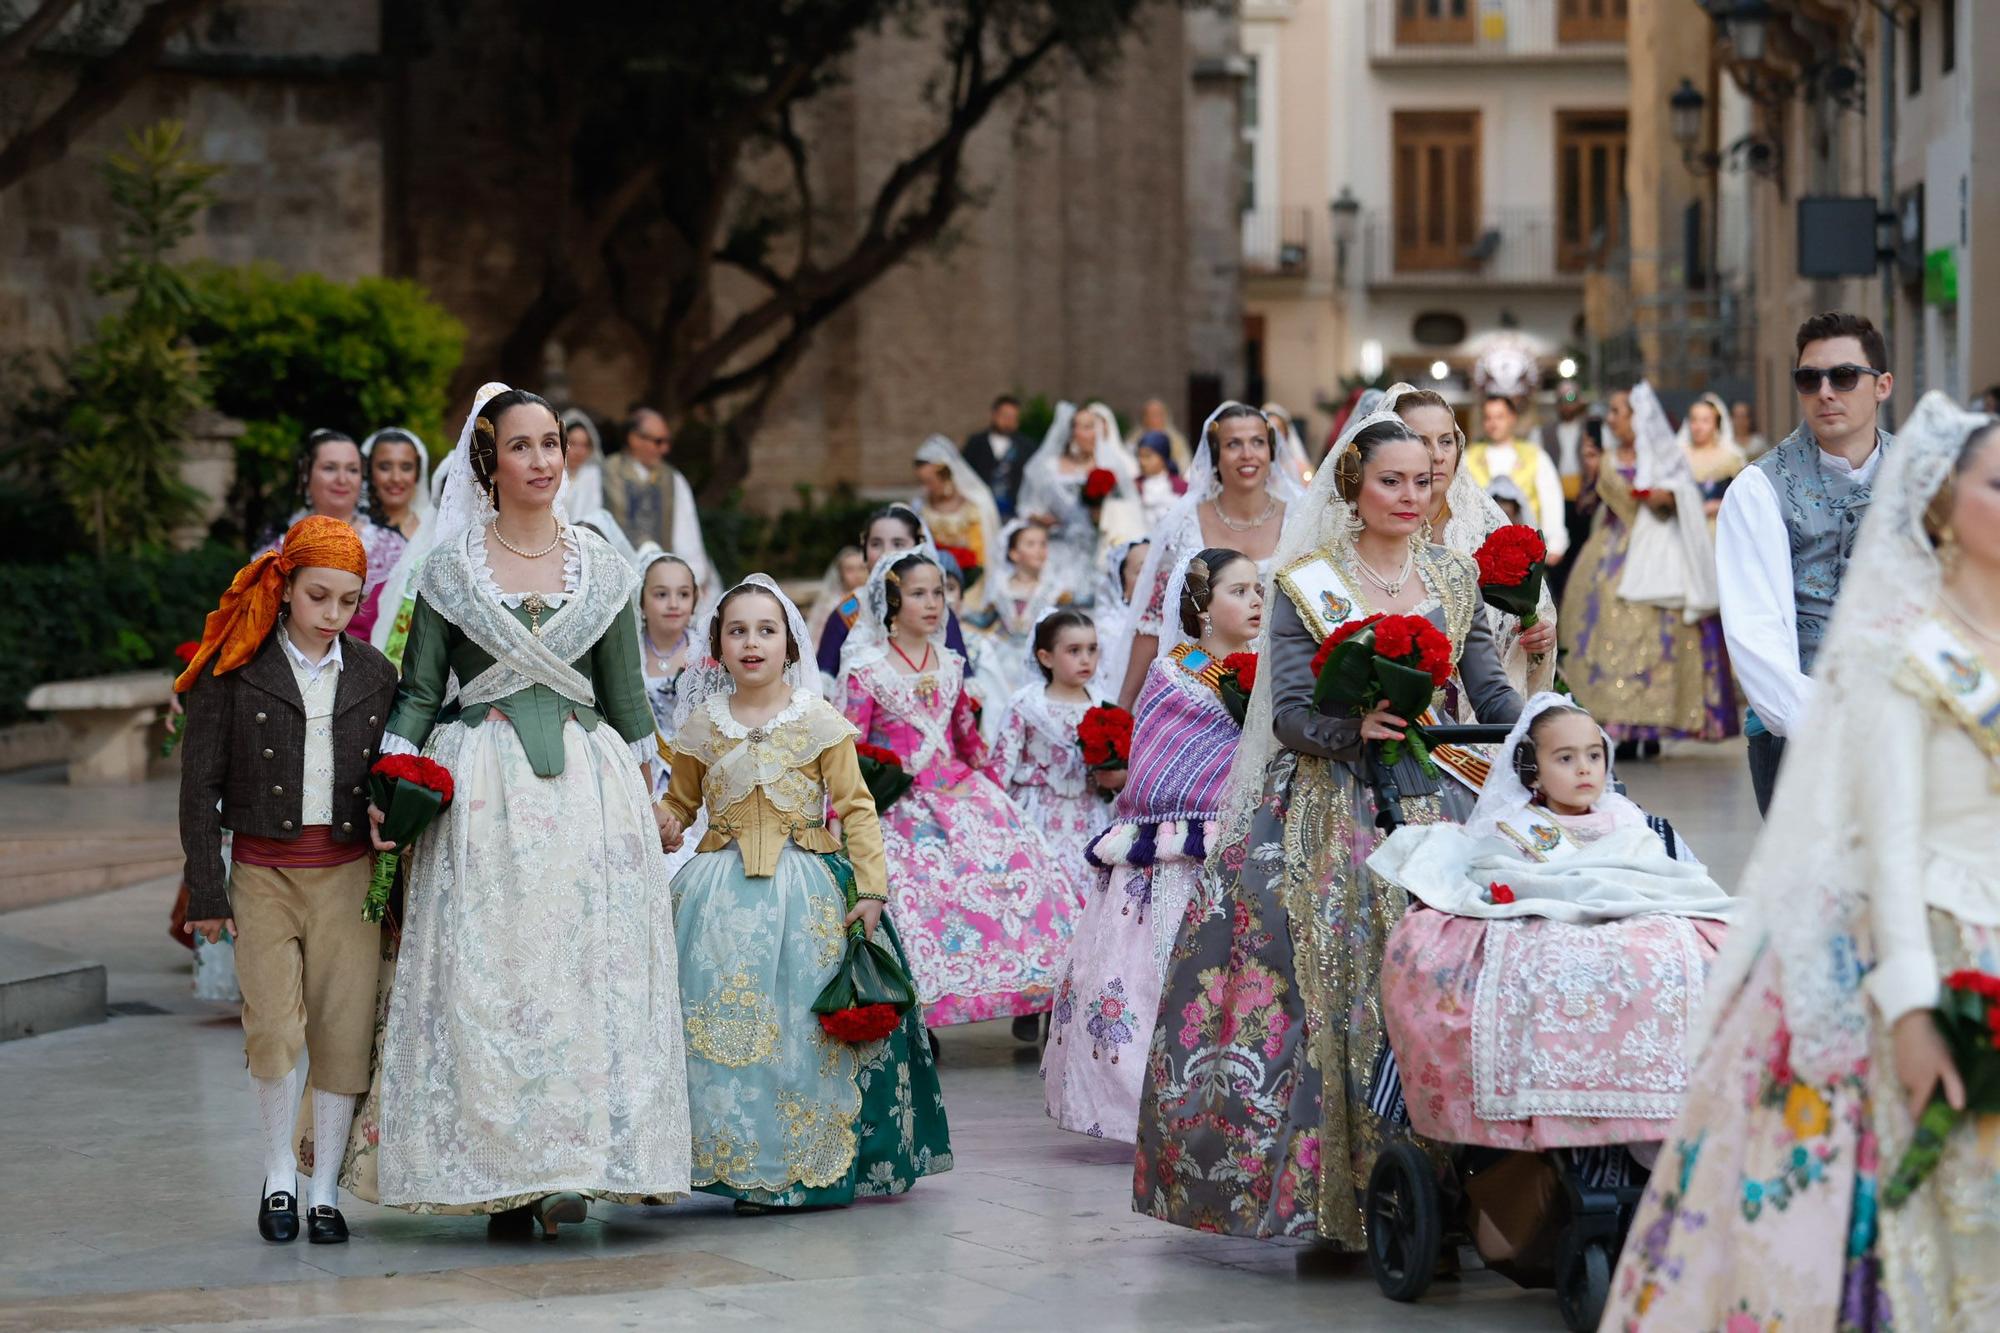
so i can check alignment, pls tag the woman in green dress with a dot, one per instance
(532, 1052)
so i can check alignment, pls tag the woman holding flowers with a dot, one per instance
(1839, 1008)
(1260, 1114)
(1182, 741)
(532, 1051)
(1080, 486)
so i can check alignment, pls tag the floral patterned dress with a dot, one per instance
(1259, 1115)
(1044, 773)
(984, 906)
(1182, 742)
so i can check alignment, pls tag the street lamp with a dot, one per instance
(1686, 104)
(1752, 153)
(1346, 210)
(1746, 24)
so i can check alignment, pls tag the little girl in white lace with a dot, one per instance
(1040, 760)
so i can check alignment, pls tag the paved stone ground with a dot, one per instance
(128, 1170)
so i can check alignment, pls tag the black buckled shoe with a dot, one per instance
(278, 1217)
(325, 1226)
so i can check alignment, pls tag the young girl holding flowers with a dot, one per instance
(785, 1115)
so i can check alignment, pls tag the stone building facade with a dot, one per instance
(1102, 259)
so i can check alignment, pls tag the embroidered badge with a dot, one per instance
(1337, 609)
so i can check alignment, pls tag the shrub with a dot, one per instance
(290, 353)
(87, 617)
(797, 543)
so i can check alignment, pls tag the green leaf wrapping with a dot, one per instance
(885, 782)
(1523, 601)
(407, 810)
(1961, 1020)
(869, 974)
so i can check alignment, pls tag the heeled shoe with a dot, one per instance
(511, 1224)
(325, 1226)
(1027, 1027)
(553, 1210)
(278, 1216)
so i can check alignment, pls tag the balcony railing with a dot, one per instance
(1455, 31)
(1279, 241)
(1511, 248)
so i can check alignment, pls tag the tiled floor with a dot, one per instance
(127, 1173)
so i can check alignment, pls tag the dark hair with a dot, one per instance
(382, 437)
(1366, 443)
(715, 626)
(1004, 400)
(1527, 763)
(638, 414)
(1235, 412)
(1937, 514)
(1491, 398)
(1052, 625)
(892, 582)
(902, 513)
(1015, 536)
(486, 433)
(1840, 324)
(1198, 589)
(309, 454)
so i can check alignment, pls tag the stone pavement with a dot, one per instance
(129, 1169)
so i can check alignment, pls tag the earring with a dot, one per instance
(1207, 625)
(1947, 550)
(1355, 525)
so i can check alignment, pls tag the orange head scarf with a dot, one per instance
(237, 628)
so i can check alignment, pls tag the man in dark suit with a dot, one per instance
(999, 454)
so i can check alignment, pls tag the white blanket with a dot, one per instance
(1625, 873)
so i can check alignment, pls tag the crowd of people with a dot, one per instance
(677, 807)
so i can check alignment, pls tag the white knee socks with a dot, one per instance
(333, 1112)
(278, 1104)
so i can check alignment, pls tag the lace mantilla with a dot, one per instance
(775, 756)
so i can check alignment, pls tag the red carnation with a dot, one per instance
(878, 753)
(1508, 554)
(963, 556)
(1244, 667)
(1340, 636)
(1499, 893)
(869, 1022)
(186, 651)
(1105, 734)
(1099, 484)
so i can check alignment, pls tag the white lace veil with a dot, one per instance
(1107, 431)
(1671, 559)
(940, 450)
(1811, 874)
(1178, 533)
(420, 499)
(397, 585)
(868, 641)
(706, 677)
(1662, 461)
(1116, 617)
(1320, 521)
(1289, 451)
(1725, 434)
(604, 525)
(462, 501)
(1110, 455)
(1505, 796)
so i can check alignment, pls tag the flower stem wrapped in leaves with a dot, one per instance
(1513, 565)
(410, 791)
(1400, 660)
(1239, 677)
(871, 992)
(1968, 1016)
(883, 771)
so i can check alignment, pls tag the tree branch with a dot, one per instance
(100, 86)
(15, 47)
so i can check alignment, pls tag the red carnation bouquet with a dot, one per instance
(1239, 677)
(177, 718)
(1402, 660)
(1097, 487)
(1105, 736)
(410, 791)
(1513, 564)
(1968, 1016)
(883, 771)
(871, 992)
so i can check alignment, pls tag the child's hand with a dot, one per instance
(869, 913)
(672, 835)
(212, 928)
(1108, 779)
(1382, 725)
(1922, 1062)
(375, 830)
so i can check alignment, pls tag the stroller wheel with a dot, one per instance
(1583, 1282)
(1405, 1222)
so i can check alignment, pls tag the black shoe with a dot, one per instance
(278, 1217)
(1624, 752)
(325, 1226)
(1650, 750)
(511, 1224)
(1027, 1027)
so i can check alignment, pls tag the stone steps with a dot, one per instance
(50, 867)
(46, 990)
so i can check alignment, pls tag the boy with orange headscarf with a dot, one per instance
(284, 714)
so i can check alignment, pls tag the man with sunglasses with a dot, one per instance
(650, 499)
(1788, 524)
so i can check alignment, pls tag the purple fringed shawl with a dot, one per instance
(1182, 742)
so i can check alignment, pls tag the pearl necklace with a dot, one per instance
(1965, 618)
(1270, 508)
(501, 537)
(1393, 587)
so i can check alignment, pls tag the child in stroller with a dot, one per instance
(1537, 998)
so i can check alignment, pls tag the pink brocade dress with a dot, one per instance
(984, 907)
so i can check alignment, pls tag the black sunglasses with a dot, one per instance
(1806, 379)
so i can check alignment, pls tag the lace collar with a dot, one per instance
(572, 570)
(726, 724)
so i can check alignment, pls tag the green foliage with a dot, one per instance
(134, 388)
(288, 354)
(86, 617)
(798, 543)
